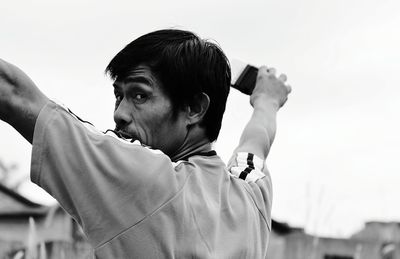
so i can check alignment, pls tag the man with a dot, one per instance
(164, 193)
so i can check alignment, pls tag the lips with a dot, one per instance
(124, 134)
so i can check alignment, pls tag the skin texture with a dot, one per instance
(269, 95)
(144, 112)
(20, 100)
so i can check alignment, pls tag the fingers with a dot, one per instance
(282, 78)
(271, 71)
(288, 88)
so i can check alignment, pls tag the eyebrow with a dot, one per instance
(135, 79)
(139, 79)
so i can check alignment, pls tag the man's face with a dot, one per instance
(144, 112)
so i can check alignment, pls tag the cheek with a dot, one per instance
(159, 125)
(164, 127)
(155, 125)
(152, 128)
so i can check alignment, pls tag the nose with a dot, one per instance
(122, 115)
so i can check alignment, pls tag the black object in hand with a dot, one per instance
(246, 80)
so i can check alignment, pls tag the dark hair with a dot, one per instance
(186, 65)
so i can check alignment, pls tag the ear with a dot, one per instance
(197, 108)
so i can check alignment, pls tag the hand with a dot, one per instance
(269, 88)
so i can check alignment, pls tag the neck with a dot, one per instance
(195, 142)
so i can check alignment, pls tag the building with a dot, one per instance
(27, 225)
(377, 240)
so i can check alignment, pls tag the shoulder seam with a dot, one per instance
(259, 210)
(149, 214)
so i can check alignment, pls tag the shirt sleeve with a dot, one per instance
(252, 170)
(105, 183)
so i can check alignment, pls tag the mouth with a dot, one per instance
(124, 134)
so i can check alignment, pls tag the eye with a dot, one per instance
(139, 97)
(118, 98)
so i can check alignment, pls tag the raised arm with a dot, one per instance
(20, 99)
(269, 94)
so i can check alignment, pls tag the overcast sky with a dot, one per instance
(334, 162)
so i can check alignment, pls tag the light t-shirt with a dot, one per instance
(133, 202)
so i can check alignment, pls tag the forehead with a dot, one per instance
(140, 74)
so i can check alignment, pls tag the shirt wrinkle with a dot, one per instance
(176, 194)
(259, 209)
(166, 222)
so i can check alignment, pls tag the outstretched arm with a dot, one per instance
(269, 95)
(248, 160)
(20, 99)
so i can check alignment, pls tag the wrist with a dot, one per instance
(266, 104)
